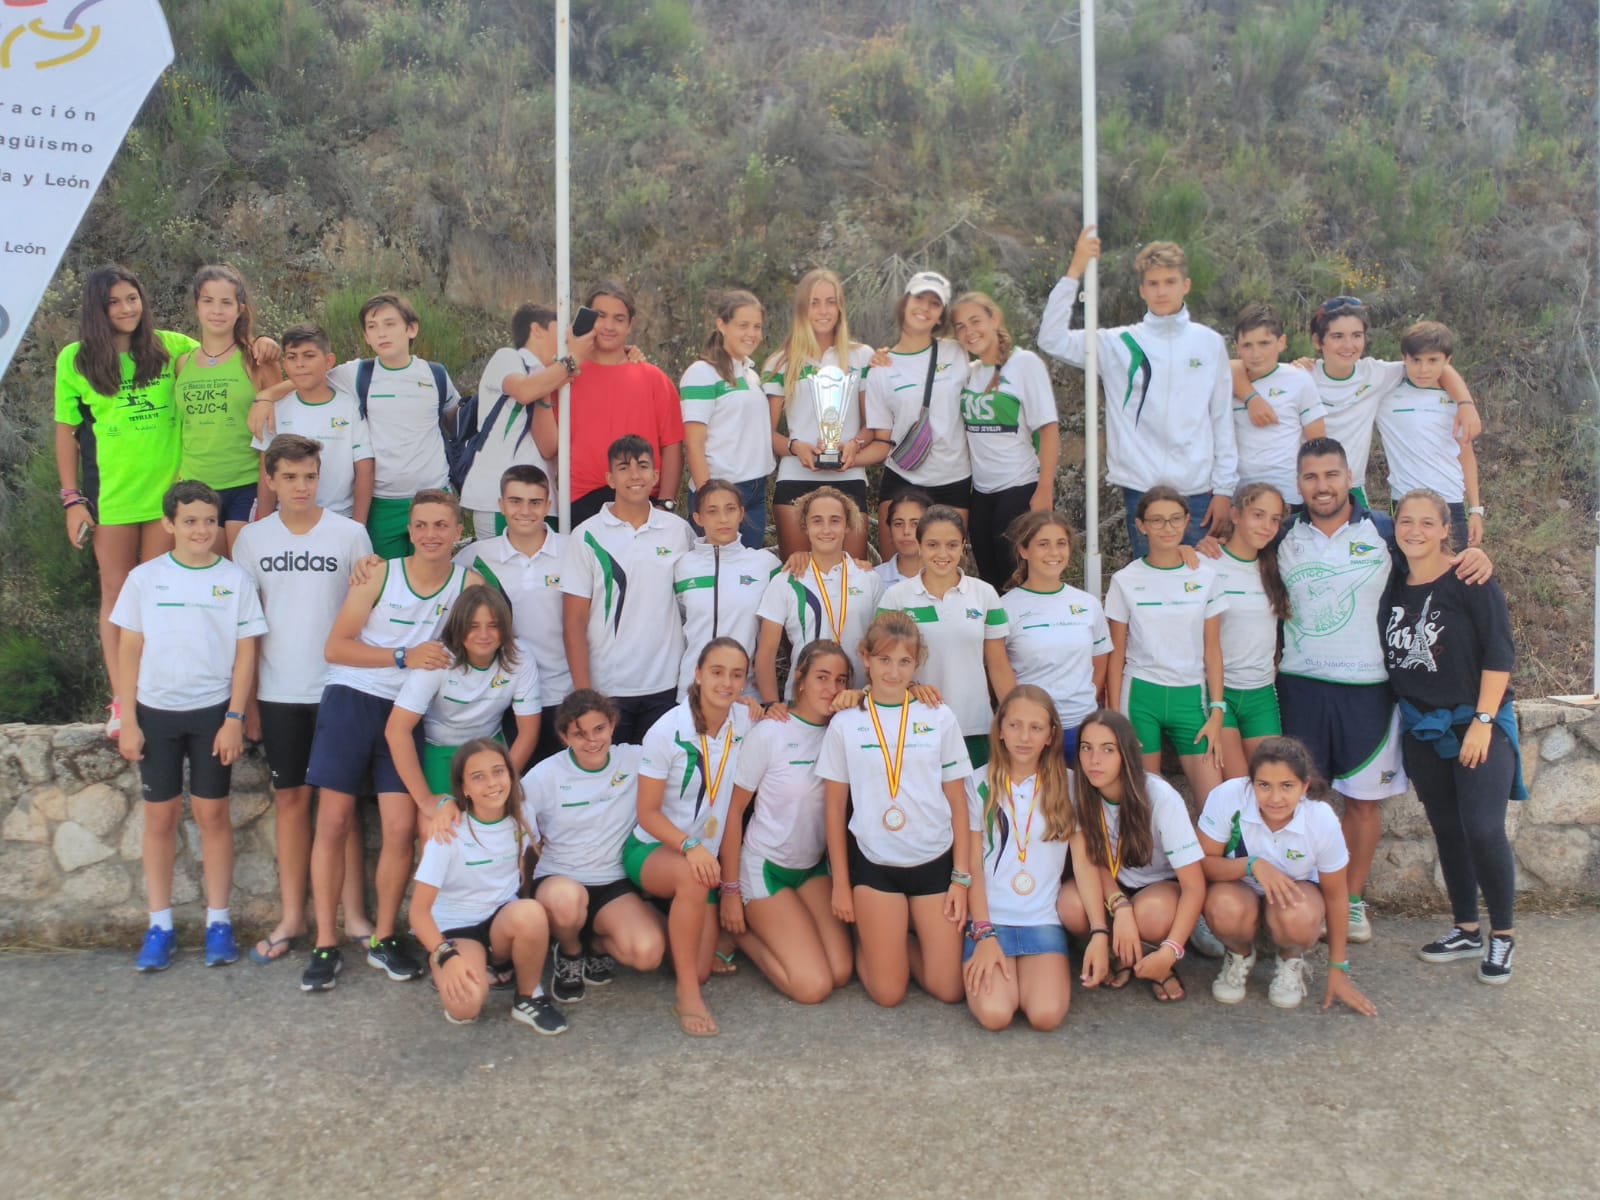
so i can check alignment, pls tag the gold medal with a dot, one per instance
(1022, 883)
(711, 827)
(894, 818)
(714, 782)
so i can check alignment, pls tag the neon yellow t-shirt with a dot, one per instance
(213, 404)
(129, 442)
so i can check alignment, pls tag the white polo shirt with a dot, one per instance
(1165, 610)
(192, 619)
(303, 580)
(797, 605)
(1270, 454)
(800, 416)
(403, 422)
(1052, 640)
(583, 817)
(778, 762)
(738, 425)
(1418, 430)
(1249, 627)
(719, 589)
(1173, 843)
(1311, 842)
(955, 627)
(338, 424)
(889, 572)
(1011, 844)
(934, 755)
(464, 702)
(531, 584)
(1352, 404)
(635, 637)
(476, 872)
(894, 402)
(510, 442)
(1336, 584)
(399, 617)
(672, 752)
(1003, 423)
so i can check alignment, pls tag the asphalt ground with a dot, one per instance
(231, 1082)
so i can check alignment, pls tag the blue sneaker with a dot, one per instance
(156, 953)
(220, 947)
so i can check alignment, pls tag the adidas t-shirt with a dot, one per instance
(697, 792)
(1052, 640)
(303, 580)
(192, 619)
(1003, 423)
(403, 422)
(1270, 454)
(1174, 843)
(797, 605)
(778, 762)
(894, 402)
(338, 424)
(1352, 404)
(735, 415)
(1012, 843)
(1249, 628)
(955, 626)
(719, 589)
(1419, 440)
(532, 586)
(583, 817)
(800, 415)
(476, 872)
(1311, 842)
(464, 702)
(1165, 610)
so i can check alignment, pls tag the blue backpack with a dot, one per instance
(458, 424)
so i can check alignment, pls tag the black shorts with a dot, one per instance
(549, 744)
(638, 713)
(477, 933)
(991, 515)
(928, 879)
(789, 491)
(349, 740)
(600, 895)
(286, 733)
(956, 495)
(172, 737)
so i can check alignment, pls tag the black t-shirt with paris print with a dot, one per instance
(1439, 637)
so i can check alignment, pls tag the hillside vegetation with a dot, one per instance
(1434, 156)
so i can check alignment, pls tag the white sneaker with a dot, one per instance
(1205, 942)
(1228, 987)
(1289, 984)
(1360, 927)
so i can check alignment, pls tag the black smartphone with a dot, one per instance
(583, 321)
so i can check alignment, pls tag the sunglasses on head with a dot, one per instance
(1337, 304)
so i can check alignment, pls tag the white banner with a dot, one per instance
(73, 74)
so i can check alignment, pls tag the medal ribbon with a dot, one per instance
(844, 599)
(1114, 861)
(1033, 801)
(892, 770)
(705, 763)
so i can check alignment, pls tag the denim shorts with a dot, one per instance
(1019, 941)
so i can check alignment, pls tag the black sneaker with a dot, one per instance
(1496, 965)
(537, 1011)
(322, 972)
(1458, 943)
(566, 977)
(599, 969)
(392, 958)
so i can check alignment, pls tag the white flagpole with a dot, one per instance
(1091, 314)
(563, 256)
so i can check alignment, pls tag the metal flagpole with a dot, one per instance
(563, 256)
(1091, 314)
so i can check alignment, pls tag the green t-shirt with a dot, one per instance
(129, 442)
(213, 412)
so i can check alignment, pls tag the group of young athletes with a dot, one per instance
(641, 740)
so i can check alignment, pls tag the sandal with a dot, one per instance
(723, 964)
(696, 1025)
(1121, 973)
(276, 948)
(1161, 992)
(502, 975)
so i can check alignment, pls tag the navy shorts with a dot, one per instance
(1351, 731)
(237, 502)
(170, 739)
(349, 743)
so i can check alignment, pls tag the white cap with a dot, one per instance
(929, 281)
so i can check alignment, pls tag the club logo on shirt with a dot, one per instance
(552, 581)
(218, 591)
(855, 591)
(1365, 387)
(1274, 393)
(747, 580)
(1191, 587)
(439, 608)
(338, 423)
(919, 727)
(1361, 549)
(619, 778)
(1076, 610)
(1195, 362)
(499, 681)
(663, 551)
(1387, 777)
(974, 614)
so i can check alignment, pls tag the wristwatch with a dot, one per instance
(670, 506)
(400, 657)
(1483, 718)
(1477, 510)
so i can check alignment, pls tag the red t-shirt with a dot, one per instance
(611, 400)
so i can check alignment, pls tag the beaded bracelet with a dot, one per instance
(1177, 950)
(961, 878)
(730, 887)
(977, 929)
(985, 935)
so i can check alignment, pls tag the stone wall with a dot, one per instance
(71, 822)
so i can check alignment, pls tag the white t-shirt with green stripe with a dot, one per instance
(894, 402)
(796, 605)
(1269, 454)
(955, 626)
(531, 584)
(1352, 404)
(1052, 640)
(510, 442)
(800, 415)
(719, 589)
(400, 617)
(1165, 610)
(1003, 423)
(778, 762)
(338, 424)
(1249, 628)
(1007, 834)
(403, 419)
(1419, 440)
(738, 429)
(672, 753)
(476, 871)
(583, 818)
(1173, 843)
(464, 702)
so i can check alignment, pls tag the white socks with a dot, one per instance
(214, 916)
(161, 920)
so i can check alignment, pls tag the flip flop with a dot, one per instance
(684, 1019)
(723, 964)
(1160, 994)
(502, 975)
(1121, 975)
(288, 943)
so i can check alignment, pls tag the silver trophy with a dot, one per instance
(832, 393)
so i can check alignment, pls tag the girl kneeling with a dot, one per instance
(1273, 852)
(902, 866)
(464, 907)
(1016, 953)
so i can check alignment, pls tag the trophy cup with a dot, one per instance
(832, 391)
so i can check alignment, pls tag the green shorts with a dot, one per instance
(1178, 712)
(1252, 711)
(634, 852)
(978, 749)
(761, 879)
(436, 764)
(387, 524)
